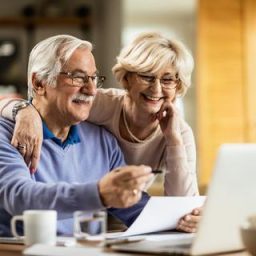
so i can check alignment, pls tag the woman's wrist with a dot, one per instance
(6, 107)
(29, 111)
(18, 107)
(173, 140)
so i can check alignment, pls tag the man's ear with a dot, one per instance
(38, 86)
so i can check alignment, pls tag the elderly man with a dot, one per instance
(76, 158)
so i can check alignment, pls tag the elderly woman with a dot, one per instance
(154, 71)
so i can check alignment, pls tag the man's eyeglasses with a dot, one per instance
(80, 79)
(167, 82)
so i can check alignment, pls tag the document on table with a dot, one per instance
(161, 213)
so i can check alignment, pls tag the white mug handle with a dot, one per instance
(13, 225)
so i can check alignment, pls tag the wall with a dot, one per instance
(105, 33)
(108, 37)
(226, 90)
(172, 18)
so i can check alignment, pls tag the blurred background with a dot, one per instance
(220, 106)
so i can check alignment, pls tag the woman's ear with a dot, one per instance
(38, 86)
(126, 82)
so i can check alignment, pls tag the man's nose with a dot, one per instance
(89, 88)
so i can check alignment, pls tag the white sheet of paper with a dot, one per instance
(162, 213)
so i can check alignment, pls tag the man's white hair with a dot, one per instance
(48, 57)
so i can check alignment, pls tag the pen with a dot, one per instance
(157, 171)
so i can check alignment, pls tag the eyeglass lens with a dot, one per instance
(166, 81)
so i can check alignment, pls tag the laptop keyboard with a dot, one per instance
(182, 249)
(182, 246)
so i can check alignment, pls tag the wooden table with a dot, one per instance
(11, 249)
(16, 250)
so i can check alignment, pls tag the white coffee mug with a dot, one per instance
(40, 226)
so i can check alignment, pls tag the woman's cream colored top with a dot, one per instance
(179, 161)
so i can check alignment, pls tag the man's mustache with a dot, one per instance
(83, 97)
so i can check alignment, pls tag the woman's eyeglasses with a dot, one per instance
(81, 79)
(167, 82)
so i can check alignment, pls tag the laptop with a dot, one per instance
(231, 198)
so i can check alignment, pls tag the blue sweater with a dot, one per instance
(66, 178)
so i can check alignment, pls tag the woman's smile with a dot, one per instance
(152, 99)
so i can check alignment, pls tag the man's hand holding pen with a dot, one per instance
(123, 187)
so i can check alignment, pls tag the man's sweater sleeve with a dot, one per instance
(18, 190)
(129, 215)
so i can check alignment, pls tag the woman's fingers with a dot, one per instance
(14, 142)
(197, 211)
(167, 109)
(186, 229)
(19, 142)
(189, 222)
(22, 149)
(29, 147)
(35, 157)
(28, 153)
(169, 121)
(28, 136)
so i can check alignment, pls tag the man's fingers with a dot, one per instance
(123, 187)
(136, 183)
(132, 177)
(133, 197)
(131, 172)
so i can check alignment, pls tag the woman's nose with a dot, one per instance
(156, 86)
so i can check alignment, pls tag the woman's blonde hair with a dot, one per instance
(151, 52)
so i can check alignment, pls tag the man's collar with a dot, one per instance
(73, 136)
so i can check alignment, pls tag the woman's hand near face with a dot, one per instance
(189, 223)
(28, 132)
(169, 121)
